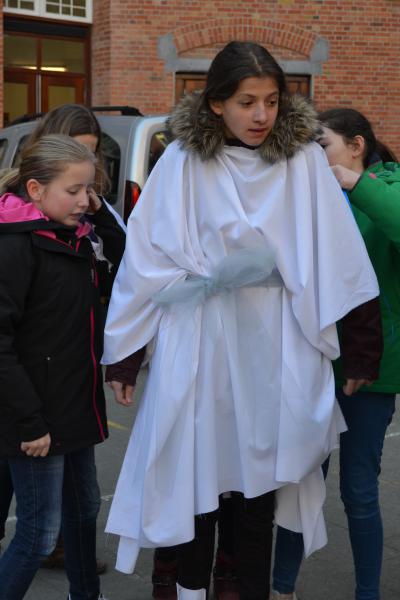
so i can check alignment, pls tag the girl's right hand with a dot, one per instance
(353, 385)
(345, 177)
(39, 447)
(123, 392)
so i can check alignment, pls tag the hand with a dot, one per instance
(39, 447)
(345, 177)
(94, 202)
(123, 392)
(353, 385)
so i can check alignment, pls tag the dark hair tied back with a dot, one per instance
(349, 123)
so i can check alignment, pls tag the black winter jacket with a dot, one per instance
(51, 333)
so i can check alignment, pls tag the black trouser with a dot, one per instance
(252, 538)
(169, 554)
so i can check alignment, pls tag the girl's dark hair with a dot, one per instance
(67, 119)
(348, 123)
(235, 62)
(73, 120)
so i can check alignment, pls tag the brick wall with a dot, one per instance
(363, 69)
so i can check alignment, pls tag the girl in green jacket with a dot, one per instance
(368, 172)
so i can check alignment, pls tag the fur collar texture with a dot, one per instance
(201, 131)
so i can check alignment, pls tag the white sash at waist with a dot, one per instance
(243, 268)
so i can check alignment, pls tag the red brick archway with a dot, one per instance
(214, 31)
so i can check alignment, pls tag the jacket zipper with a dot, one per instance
(95, 282)
(95, 374)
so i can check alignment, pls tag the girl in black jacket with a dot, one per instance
(52, 407)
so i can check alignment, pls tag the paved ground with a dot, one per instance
(327, 575)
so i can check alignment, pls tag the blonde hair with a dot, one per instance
(44, 160)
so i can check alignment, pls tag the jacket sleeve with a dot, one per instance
(111, 233)
(18, 398)
(127, 369)
(362, 341)
(379, 199)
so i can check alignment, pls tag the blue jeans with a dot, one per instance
(367, 415)
(6, 494)
(52, 492)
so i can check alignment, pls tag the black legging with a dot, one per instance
(252, 539)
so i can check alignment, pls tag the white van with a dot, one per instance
(131, 145)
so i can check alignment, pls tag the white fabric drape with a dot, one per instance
(240, 391)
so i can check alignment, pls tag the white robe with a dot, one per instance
(240, 391)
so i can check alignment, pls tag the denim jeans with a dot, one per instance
(289, 549)
(52, 492)
(6, 494)
(367, 415)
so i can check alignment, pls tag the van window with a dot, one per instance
(158, 143)
(112, 160)
(17, 155)
(3, 148)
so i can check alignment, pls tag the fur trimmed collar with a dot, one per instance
(201, 132)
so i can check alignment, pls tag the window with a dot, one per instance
(20, 5)
(20, 52)
(112, 159)
(58, 56)
(299, 84)
(17, 155)
(186, 83)
(75, 10)
(3, 148)
(63, 56)
(158, 144)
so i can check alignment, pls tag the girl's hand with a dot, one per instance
(123, 392)
(345, 177)
(353, 385)
(94, 202)
(39, 447)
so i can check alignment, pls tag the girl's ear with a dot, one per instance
(34, 190)
(216, 107)
(358, 146)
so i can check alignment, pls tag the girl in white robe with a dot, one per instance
(235, 274)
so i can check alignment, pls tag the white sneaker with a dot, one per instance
(185, 594)
(276, 595)
(101, 597)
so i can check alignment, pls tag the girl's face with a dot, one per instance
(89, 140)
(340, 151)
(250, 114)
(66, 198)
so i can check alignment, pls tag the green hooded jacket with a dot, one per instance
(375, 201)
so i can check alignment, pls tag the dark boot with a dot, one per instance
(165, 572)
(56, 560)
(225, 580)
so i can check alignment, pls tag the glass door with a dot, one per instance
(19, 95)
(61, 89)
